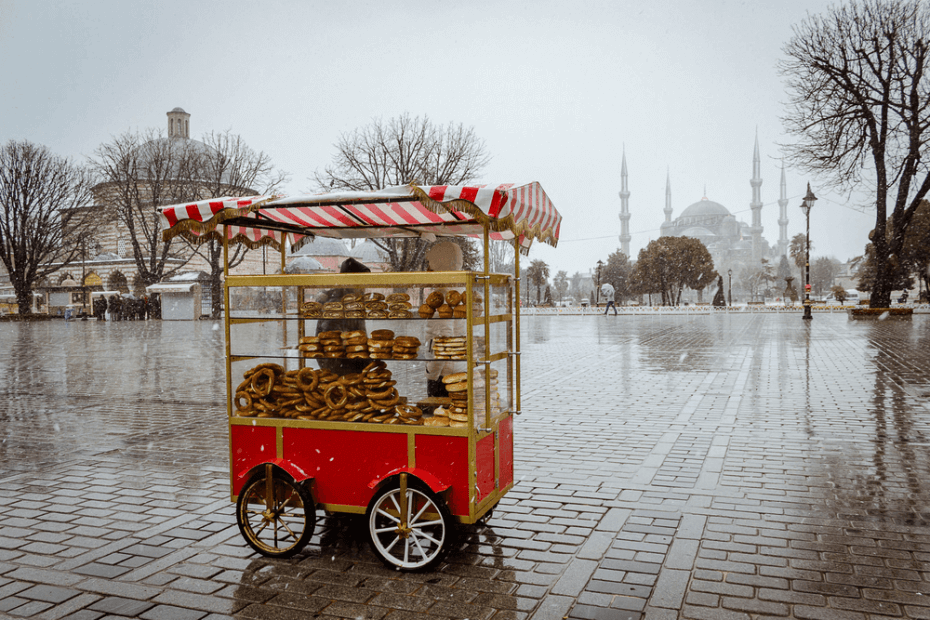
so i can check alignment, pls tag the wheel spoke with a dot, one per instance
(406, 550)
(430, 538)
(385, 530)
(391, 546)
(389, 516)
(289, 531)
(416, 541)
(419, 514)
(418, 526)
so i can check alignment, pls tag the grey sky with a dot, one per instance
(556, 89)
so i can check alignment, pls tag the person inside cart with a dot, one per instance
(342, 366)
(443, 256)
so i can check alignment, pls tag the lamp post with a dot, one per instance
(597, 292)
(730, 287)
(806, 207)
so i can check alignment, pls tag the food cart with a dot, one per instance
(341, 420)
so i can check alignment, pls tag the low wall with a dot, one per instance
(742, 309)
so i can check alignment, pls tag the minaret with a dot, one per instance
(624, 209)
(668, 198)
(756, 205)
(179, 124)
(783, 215)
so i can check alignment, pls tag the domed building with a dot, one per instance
(327, 251)
(729, 241)
(370, 255)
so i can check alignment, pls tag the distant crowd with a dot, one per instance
(129, 308)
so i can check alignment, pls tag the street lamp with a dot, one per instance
(597, 292)
(806, 207)
(730, 287)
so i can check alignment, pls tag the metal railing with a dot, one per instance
(693, 309)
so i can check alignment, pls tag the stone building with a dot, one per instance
(732, 244)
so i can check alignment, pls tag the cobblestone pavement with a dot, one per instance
(669, 467)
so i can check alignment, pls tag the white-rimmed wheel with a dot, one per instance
(409, 527)
(275, 515)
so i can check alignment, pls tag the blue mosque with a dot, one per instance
(730, 242)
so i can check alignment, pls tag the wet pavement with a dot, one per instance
(693, 467)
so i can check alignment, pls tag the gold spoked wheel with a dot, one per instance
(275, 515)
(409, 526)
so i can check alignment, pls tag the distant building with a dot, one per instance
(730, 242)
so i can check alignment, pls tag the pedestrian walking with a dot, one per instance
(607, 291)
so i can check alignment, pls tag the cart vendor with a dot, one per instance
(443, 256)
(342, 366)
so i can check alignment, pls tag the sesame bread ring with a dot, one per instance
(453, 298)
(457, 377)
(379, 395)
(331, 391)
(353, 334)
(329, 334)
(408, 411)
(382, 334)
(243, 401)
(327, 376)
(354, 378)
(355, 341)
(307, 379)
(374, 366)
(263, 381)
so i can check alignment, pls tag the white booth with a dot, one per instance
(180, 301)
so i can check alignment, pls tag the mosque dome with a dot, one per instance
(704, 208)
(367, 252)
(303, 264)
(697, 232)
(323, 246)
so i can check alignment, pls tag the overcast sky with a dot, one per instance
(556, 89)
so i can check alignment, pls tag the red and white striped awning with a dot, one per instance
(508, 211)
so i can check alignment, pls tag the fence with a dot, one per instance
(742, 309)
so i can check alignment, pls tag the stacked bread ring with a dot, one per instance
(269, 391)
(449, 347)
(381, 344)
(360, 306)
(451, 305)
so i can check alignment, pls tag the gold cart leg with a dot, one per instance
(516, 306)
(403, 502)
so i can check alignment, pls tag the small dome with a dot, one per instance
(178, 110)
(705, 207)
(303, 264)
(697, 232)
(323, 246)
(367, 252)
(742, 245)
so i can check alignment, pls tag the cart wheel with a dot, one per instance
(412, 533)
(275, 515)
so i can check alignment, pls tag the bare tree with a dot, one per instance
(42, 223)
(137, 173)
(860, 108)
(404, 150)
(230, 167)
